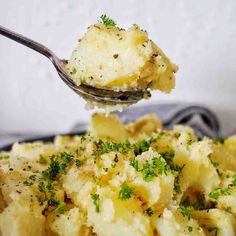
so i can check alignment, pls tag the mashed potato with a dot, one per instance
(116, 180)
(111, 57)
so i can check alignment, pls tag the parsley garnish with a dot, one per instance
(186, 211)
(190, 229)
(151, 170)
(96, 201)
(134, 163)
(58, 165)
(189, 142)
(41, 187)
(113, 165)
(78, 162)
(234, 180)
(214, 163)
(107, 21)
(28, 183)
(220, 192)
(73, 71)
(125, 192)
(32, 177)
(168, 156)
(161, 165)
(123, 147)
(141, 146)
(60, 207)
(105, 169)
(149, 211)
(51, 172)
(177, 188)
(199, 203)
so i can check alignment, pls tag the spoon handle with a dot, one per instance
(27, 42)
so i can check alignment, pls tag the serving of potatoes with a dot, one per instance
(134, 179)
(110, 57)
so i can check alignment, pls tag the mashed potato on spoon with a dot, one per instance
(113, 58)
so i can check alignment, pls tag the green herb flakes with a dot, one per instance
(220, 192)
(125, 192)
(107, 21)
(190, 229)
(96, 201)
(186, 211)
(78, 163)
(149, 211)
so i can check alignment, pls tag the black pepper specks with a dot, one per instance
(116, 158)
(115, 56)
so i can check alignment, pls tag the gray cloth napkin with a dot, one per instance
(200, 118)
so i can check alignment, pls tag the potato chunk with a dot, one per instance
(111, 57)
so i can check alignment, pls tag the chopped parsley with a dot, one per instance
(198, 204)
(42, 187)
(148, 171)
(141, 146)
(154, 168)
(73, 71)
(161, 165)
(32, 177)
(28, 183)
(219, 173)
(190, 229)
(220, 192)
(123, 147)
(105, 169)
(186, 211)
(106, 20)
(168, 156)
(125, 192)
(60, 207)
(51, 172)
(177, 188)
(134, 163)
(214, 163)
(234, 180)
(149, 211)
(78, 162)
(96, 201)
(189, 142)
(58, 165)
(113, 165)
(106, 147)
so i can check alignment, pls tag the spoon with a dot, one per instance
(88, 92)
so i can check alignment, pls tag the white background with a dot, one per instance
(199, 36)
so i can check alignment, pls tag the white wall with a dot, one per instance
(199, 36)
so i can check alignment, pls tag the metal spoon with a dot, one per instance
(90, 93)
